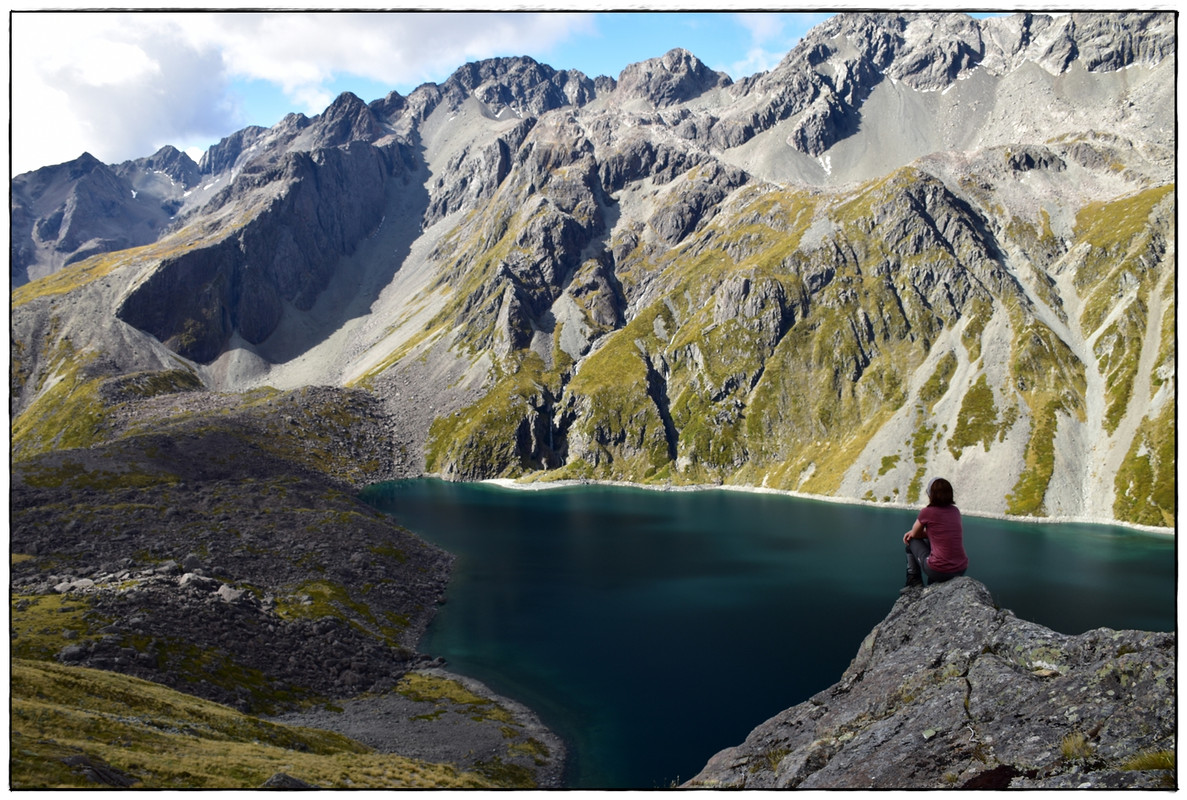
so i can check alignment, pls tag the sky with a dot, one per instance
(121, 85)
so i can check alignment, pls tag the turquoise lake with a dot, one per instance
(652, 629)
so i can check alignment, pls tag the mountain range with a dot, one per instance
(922, 244)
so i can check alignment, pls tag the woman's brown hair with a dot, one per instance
(939, 493)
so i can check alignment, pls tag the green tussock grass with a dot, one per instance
(484, 438)
(75, 276)
(974, 329)
(1152, 760)
(41, 625)
(424, 688)
(977, 422)
(163, 739)
(68, 413)
(316, 599)
(1103, 224)
(1123, 236)
(1051, 381)
(69, 472)
(1076, 747)
(621, 422)
(937, 384)
(919, 442)
(1146, 481)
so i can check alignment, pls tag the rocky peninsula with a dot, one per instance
(214, 545)
(952, 691)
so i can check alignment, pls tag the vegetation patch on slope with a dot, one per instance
(1051, 380)
(978, 421)
(493, 436)
(1145, 483)
(74, 727)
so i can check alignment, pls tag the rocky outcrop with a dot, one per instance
(170, 162)
(320, 204)
(473, 174)
(696, 203)
(676, 77)
(951, 691)
(222, 156)
(839, 63)
(65, 213)
(1103, 42)
(520, 83)
(348, 119)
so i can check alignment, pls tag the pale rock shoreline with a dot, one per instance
(508, 483)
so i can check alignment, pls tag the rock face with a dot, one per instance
(326, 202)
(950, 691)
(676, 77)
(66, 213)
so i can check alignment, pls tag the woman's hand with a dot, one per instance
(918, 531)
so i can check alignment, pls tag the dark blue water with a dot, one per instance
(652, 629)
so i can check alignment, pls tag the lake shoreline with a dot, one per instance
(444, 730)
(559, 598)
(508, 483)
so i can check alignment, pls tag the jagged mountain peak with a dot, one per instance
(169, 161)
(71, 170)
(85, 162)
(520, 83)
(347, 119)
(222, 156)
(521, 68)
(930, 50)
(675, 77)
(345, 105)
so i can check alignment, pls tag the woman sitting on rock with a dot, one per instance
(935, 543)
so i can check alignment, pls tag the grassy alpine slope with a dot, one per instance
(792, 320)
(74, 727)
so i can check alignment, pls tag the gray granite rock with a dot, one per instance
(952, 691)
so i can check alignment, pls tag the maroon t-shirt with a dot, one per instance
(946, 535)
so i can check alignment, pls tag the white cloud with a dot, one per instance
(121, 85)
(772, 36)
(108, 85)
(757, 60)
(764, 27)
(302, 53)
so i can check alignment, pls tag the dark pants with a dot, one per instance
(917, 552)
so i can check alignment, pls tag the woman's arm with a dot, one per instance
(918, 531)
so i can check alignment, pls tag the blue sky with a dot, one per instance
(122, 84)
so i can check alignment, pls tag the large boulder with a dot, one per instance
(952, 691)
